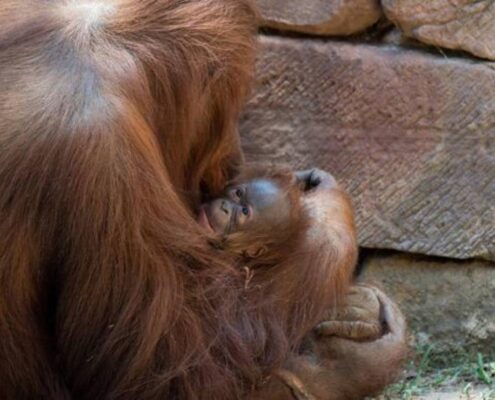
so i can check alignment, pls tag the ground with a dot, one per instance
(431, 376)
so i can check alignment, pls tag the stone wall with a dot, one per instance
(397, 100)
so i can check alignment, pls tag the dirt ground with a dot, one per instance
(454, 393)
(468, 378)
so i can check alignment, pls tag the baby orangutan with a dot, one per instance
(260, 220)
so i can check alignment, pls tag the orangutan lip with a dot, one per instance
(203, 219)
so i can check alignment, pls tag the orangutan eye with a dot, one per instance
(245, 211)
(238, 193)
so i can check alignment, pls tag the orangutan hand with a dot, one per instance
(390, 319)
(336, 368)
(357, 319)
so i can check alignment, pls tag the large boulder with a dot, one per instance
(322, 17)
(411, 135)
(467, 25)
(448, 304)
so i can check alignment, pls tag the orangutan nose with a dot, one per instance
(225, 207)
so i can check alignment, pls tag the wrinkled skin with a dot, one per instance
(256, 202)
(358, 319)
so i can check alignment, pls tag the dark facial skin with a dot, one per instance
(259, 201)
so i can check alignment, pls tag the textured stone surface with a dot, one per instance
(455, 24)
(449, 304)
(323, 17)
(411, 135)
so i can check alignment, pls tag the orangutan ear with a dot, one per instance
(254, 252)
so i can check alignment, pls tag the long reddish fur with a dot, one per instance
(113, 120)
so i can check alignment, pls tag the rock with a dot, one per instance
(395, 37)
(321, 17)
(448, 304)
(411, 135)
(467, 25)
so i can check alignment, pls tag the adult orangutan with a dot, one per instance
(115, 118)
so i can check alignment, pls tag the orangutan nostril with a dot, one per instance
(224, 207)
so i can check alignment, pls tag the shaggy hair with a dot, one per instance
(115, 116)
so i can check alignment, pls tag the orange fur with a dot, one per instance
(115, 116)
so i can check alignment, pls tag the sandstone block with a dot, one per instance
(448, 304)
(411, 135)
(467, 25)
(322, 17)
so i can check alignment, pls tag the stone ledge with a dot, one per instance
(447, 303)
(459, 25)
(320, 17)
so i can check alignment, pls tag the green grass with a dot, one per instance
(428, 372)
